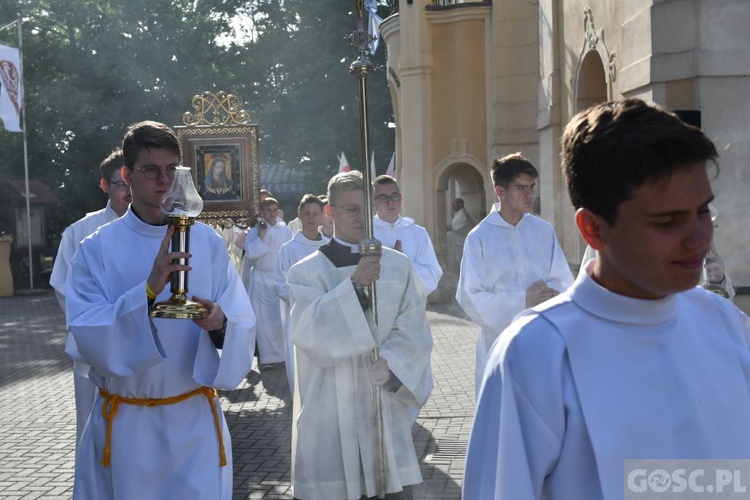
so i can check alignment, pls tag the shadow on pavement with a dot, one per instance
(32, 338)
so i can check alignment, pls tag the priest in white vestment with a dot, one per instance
(118, 194)
(633, 361)
(305, 241)
(512, 259)
(334, 450)
(157, 431)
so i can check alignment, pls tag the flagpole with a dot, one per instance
(18, 22)
(8, 25)
(362, 68)
(25, 155)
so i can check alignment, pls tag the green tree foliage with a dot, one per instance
(308, 101)
(92, 67)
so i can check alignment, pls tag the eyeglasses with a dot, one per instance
(384, 198)
(351, 210)
(121, 185)
(151, 172)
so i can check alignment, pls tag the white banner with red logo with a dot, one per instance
(11, 89)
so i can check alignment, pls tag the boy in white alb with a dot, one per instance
(403, 234)
(633, 361)
(406, 236)
(156, 409)
(262, 245)
(305, 241)
(119, 198)
(511, 259)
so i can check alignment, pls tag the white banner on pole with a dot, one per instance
(11, 89)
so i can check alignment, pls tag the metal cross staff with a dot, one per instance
(362, 68)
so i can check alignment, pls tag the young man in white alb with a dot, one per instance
(511, 259)
(157, 409)
(305, 241)
(262, 244)
(633, 361)
(402, 233)
(118, 193)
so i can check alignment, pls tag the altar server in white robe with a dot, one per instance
(334, 452)
(512, 259)
(156, 431)
(633, 361)
(305, 241)
(262, 245)
(403, 234)
(118, 194)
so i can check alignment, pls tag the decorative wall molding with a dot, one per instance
(593, 39)
(458, 147)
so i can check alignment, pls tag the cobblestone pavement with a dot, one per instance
(37, 414)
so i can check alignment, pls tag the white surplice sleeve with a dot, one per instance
(328, 326)
(114, 336)
(283, 263)
(426, 263)
(227, 370)
(520, 423)
(408, 345)
(65, 253)
(560, 278)
(489, 308)
(255, 248)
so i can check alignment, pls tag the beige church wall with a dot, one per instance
(723, 64)
(600, 32)
(707, 68)
(458, 90)
(578, 35)
(459, 105)
(515, 82)
(726, 123)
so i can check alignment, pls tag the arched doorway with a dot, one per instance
(465, 180)
(592, 82)
(591, 88)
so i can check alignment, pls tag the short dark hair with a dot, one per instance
(111, 164)
(268, 202)
(309, 198)
(507, 168)
(382, 180)
(145, 135)
(611, 149)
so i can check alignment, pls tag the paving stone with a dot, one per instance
(37, 410)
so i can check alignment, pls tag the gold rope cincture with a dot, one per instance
(112, 402)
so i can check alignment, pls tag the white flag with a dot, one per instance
(391, 170)
(344, 164)
(11, 89)
(374, 30)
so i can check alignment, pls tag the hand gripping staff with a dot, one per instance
(362, 68)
